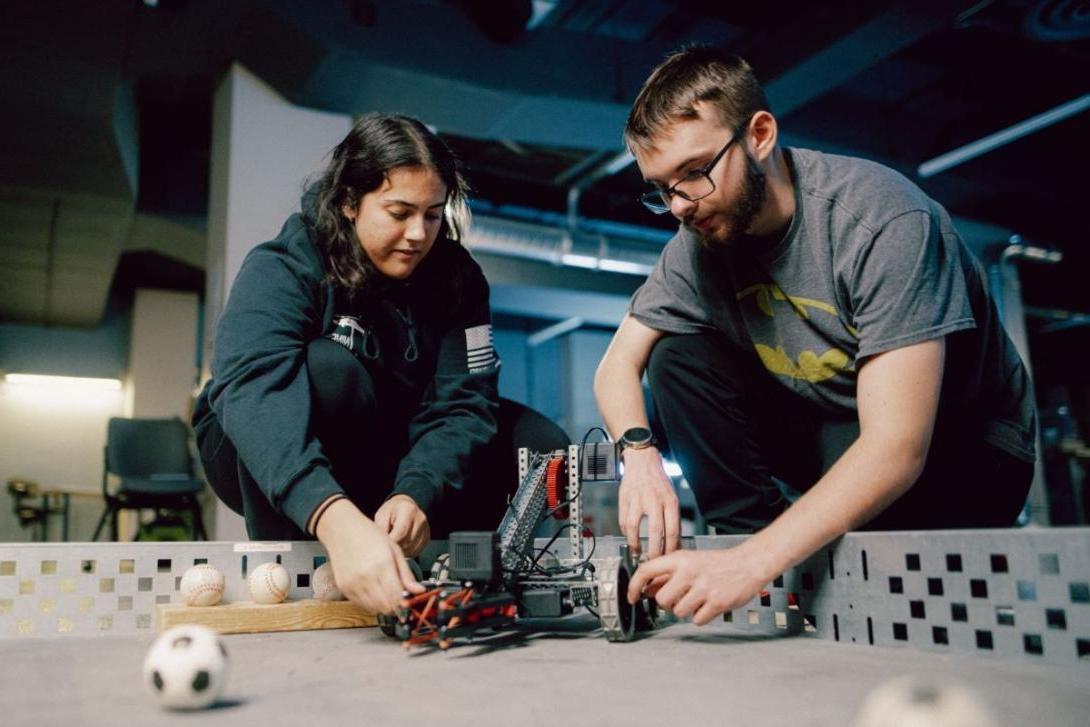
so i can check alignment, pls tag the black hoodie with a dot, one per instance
(436, 326)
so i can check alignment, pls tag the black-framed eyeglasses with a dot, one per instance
(695, 185)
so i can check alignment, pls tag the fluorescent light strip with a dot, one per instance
(624, 266)
(982, 146)
(579, 261)
(68, 382)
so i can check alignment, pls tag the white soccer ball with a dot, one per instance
(186, 667)
(912, 702)
(202, 585)
(269, 583)
(324, 585)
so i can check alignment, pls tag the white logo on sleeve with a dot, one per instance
(480, 356)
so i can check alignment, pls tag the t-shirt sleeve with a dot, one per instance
(669, 300)
(907, 285)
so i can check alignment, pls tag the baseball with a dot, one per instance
(323, 585)
(269, 583)
(202, 585)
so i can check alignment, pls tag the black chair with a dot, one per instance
(153, 461)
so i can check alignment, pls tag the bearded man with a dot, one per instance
(816, 326)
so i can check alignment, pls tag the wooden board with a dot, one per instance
(250, 618)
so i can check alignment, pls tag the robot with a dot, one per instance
(490, 579)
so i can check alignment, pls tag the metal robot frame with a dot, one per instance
(490, 579)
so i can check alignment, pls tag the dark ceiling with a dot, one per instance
(898, 82)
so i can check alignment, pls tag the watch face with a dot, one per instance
(636, 436)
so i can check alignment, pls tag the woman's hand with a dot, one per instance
(368, 566)
(406, 524)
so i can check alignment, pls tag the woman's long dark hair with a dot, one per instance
(377, 144)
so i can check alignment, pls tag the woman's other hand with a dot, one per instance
(406, 524)
(368, 565)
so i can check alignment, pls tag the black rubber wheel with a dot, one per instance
(388, 625)
(626, 612)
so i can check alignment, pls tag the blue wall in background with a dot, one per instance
(556, 378)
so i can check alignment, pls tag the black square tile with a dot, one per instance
(1032, 644)
(1056, 618)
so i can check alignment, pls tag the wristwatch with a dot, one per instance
(636, 438)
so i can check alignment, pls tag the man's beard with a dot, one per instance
(741, 214)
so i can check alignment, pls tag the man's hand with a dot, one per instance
(699, 583)
(646, 491)
(406, 524)
(368, 565)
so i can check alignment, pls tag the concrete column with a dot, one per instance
(163, 353)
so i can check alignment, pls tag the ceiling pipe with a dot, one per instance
(556, 330)
(991, 142)
(607, 169)
(553, 243)
(600, 261)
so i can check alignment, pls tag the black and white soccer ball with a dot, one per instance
(186, 667)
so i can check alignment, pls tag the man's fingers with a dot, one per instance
(646, 573)
(631, 529)
(669, 595)
(688, 603)
(654, 532)
(673, 529)
(651, 589)
(706, 613)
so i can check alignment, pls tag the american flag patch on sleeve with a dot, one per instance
(480, 356)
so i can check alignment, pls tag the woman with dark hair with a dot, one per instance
(353, 377)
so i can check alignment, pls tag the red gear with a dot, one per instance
(556, 481)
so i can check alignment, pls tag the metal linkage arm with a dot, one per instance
(523, 514)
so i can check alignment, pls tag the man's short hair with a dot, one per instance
(686, 77)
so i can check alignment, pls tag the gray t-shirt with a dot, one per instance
(869, 264)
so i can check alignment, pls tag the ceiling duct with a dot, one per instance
(57, 255)
(597, 245)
